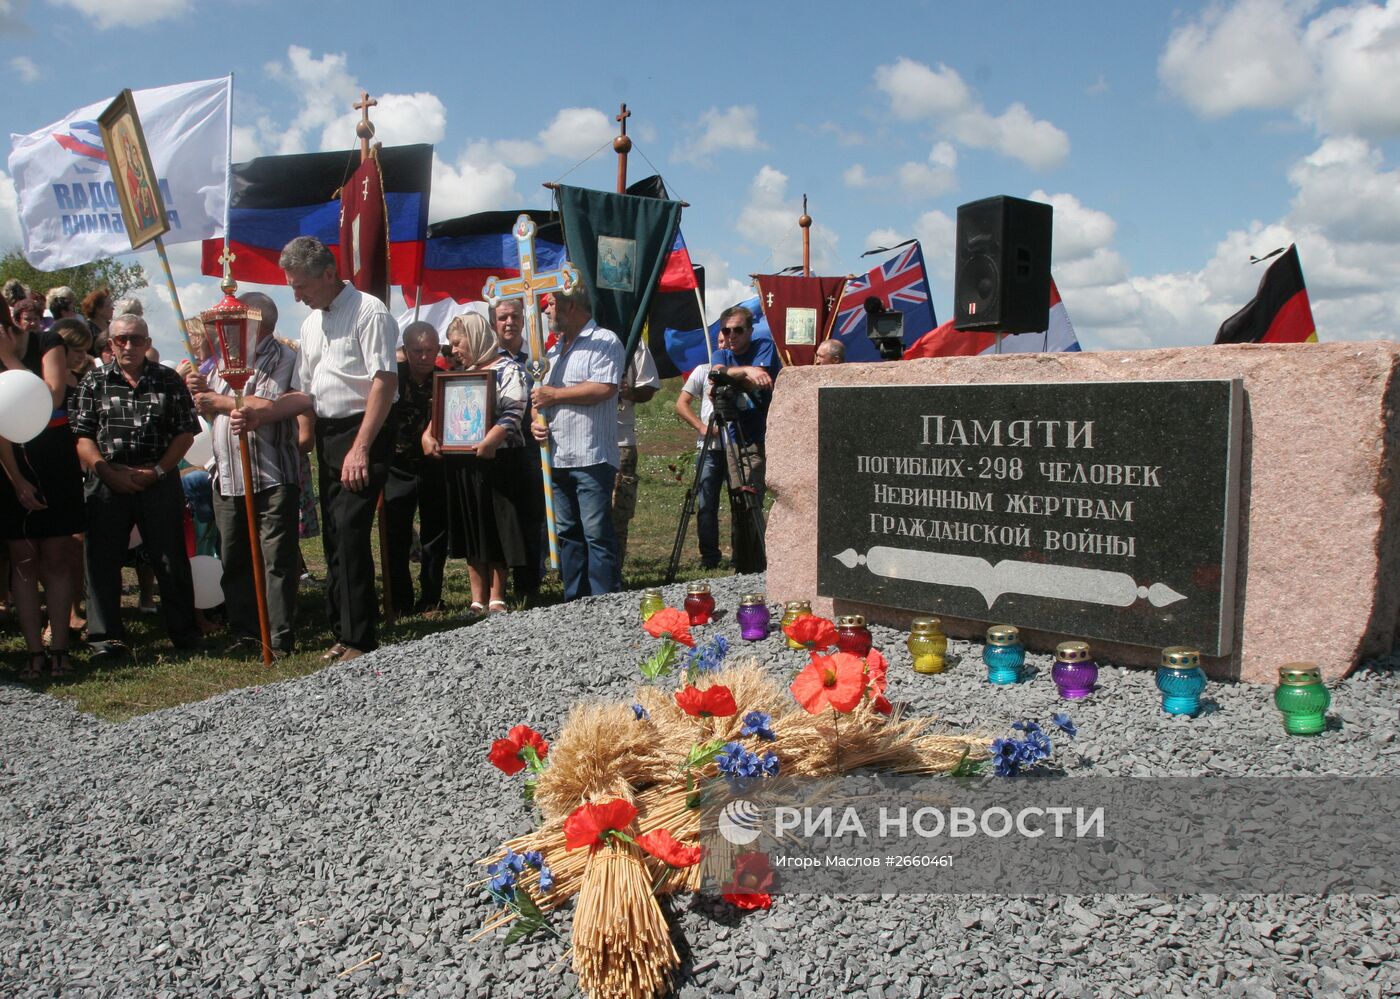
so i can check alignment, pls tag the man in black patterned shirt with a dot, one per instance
(416, 482)
(134, 421)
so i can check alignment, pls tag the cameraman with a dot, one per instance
(751, 365)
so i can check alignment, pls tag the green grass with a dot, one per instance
(160, 676)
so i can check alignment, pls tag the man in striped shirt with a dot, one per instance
(578, 397)
(273, 403)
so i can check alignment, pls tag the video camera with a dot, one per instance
(729, 395)
(885, 328)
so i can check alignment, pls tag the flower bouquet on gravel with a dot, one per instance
(622, 789)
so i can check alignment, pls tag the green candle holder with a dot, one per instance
(1302, 698)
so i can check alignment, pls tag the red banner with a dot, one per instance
(800, 312)
(364, 231)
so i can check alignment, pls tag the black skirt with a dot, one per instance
(50, 461)
(483, 507)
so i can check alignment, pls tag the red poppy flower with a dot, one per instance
(882, 705)
(814, 632)
(508, 753)
(712, 702)
(752, 876)
(670, 623)
(590, 824)
(876, 670)
(669, 850)
(838, 680)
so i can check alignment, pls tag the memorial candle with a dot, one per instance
(1181, 680)
(1302, 698)
(928, 645)
(652, 601)
(852, 635)
(1004, 654)
(1075, 671)
(792, 610)
(699, 603)
(754, 618)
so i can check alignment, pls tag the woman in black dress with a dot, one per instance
(483, 520)
(41, 495)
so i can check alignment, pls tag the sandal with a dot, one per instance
(498, 607)
(60, 666)
(35, 669)
(476, 610)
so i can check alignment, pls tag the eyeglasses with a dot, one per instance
(126, 341)
(731, 330)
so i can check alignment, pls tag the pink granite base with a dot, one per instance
(1319, 550)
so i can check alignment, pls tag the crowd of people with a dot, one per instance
(360, 396)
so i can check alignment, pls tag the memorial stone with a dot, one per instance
(1103, 510)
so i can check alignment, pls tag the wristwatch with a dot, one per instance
(160, 472)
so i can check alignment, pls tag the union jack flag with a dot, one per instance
(900, 283)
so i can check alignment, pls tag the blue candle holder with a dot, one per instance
(1004, 654)
(1181, 680)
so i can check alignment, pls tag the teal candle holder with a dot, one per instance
(1004, 654)
(1181, 680)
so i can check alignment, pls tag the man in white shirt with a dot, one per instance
(640, 384)
(711, 463)
(348, 368)
(578, 397)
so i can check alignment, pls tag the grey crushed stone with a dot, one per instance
(264, 841)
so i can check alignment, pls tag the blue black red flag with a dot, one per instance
(277, 198)
(1280, 311)
(462, 253)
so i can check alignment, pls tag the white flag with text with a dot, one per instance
(69, 213)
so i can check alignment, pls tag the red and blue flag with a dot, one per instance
(901, 284)
(461, 253)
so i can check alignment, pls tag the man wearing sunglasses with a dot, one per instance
(134, 421)
(753, 365)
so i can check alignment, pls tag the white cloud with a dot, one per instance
(475, 183)
(1339, 72)
(25, 68)
(934, 177)
(576, 132)
(843, 136)
(1342, 192)
(855, 176)
(1248, 56)
(735, 127)
(722, 289)
(1015, 133)
(125, 13)
(1078, 230)
(917, 92)
(399, 119)
(768, 221)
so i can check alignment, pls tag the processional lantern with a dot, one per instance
(235, 331)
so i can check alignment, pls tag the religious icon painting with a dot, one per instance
(617, 263)
(138, 190)
(464, 409)
(800, 330)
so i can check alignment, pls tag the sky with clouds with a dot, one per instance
(1174, 141)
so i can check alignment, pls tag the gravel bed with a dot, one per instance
(266, 841)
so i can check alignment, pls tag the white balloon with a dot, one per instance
(25, 405)
(208, 573)
(201, 450)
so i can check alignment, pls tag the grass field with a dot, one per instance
(159, 676)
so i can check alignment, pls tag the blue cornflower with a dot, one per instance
(503, 874)
(770, 764)
(1029, 727)
(760, 724)
(1006, 757)
(1066, 726)
(730, 758)
(534, 858)
(641, 713)
(546, 878)
(721, 645)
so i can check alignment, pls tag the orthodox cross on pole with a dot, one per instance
(806, 223)
(528, 287)
(364, 128)
(622, 145)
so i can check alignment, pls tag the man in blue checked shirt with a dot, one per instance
(578, 397)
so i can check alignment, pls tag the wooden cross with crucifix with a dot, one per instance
(528, 287)
(364, 128)
(622, 145)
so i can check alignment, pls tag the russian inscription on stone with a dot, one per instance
(1100, 510)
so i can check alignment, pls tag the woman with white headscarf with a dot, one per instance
(483, 520)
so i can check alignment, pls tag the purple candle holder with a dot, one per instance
(754, 618)
(1074, 672)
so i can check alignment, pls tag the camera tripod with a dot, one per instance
(745, 505)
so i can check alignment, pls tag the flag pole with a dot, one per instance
(805, 221)
(622, 145)
(175, 300)
(364, 130)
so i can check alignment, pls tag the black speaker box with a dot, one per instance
(1001, 280)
